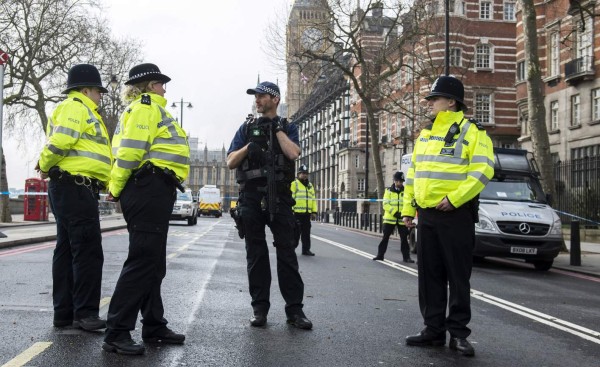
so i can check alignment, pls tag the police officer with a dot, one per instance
(392, 218)
(152, 159)
(305, 208)
(451, 164)
(77, 158)
(249, 153)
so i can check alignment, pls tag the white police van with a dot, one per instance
(515, 217)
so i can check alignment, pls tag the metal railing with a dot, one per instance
(577, 186)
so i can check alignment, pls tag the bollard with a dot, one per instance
(370, 222)
(380, 223)
(575, 244)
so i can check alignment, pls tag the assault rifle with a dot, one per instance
(272, 198)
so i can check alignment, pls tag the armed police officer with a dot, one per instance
(152, 159)
(263, 151)
(305, 209)
(77, 158)
(392, 218)
(451, 164)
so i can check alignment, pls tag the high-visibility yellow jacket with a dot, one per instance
(392, 204)
(77, 140)
(459, 171)
(304, 196)
(147, 132)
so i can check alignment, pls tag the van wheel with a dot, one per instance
(195, 220)
(190, 221)
(543, 265)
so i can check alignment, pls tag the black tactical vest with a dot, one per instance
(253, 173)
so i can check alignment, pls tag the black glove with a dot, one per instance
(254, 152)
(277, 126)
(397, 215)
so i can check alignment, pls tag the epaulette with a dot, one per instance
(477, 124)
(146, 99)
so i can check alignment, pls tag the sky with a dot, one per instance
(212, 51)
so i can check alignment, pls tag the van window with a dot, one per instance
(513, 188)
(184, 196)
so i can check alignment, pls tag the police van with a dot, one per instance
(515, 217)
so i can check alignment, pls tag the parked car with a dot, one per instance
(185, 208)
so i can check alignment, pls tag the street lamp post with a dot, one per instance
(3, 60)
(174, 105)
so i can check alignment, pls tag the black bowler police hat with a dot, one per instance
(303, 169)
(449, 87)
(145, 73)
(265, 88)
(399, 176)
(84, 75)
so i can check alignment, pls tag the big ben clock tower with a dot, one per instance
(307, 29)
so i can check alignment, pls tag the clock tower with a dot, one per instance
(307, 30)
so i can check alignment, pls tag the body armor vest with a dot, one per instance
(258, 131)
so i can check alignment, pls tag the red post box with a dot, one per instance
(36, 200)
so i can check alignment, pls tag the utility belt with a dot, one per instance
(149, 169)
(94, 185)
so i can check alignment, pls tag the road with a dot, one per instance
(362, 310)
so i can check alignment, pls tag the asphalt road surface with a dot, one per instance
(361, 309)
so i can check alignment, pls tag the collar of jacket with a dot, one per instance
(448, 118)
(394, 189)
(159, 100)
(85, 99)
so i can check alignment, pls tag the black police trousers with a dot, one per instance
(445, 244)
(257, 253)
(388, 229)
(147, 205)
(78, 258)
(302, 230)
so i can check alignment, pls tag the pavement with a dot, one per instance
(21, 232)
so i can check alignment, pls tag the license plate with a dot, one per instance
(523, 250)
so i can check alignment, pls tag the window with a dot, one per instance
(485, 10)
(553, 115)
(521, 71)
(457, 7)
(509, 10)
(584, 44)
(483, 57)
(575, 110)
(554, 66)
(596, 104)
(409, 72)
(455, 57)
(584, 165)
(361, 184)
(356, 161)
(483, 108)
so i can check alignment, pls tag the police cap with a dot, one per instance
(145, 73)
(84, 75)
(302, 169)
(449, 87)
(265, 88)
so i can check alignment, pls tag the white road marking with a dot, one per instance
(555, 322)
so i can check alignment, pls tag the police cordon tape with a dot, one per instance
(324, 199)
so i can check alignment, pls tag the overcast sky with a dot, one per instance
(210, 49)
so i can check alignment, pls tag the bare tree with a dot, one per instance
(536, 110)
(44, 39)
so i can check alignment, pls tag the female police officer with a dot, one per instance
(152, 158)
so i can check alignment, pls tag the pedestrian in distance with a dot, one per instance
(392, 218)
(151, 160)
(451, 164)
(305, 209)
(77, 158)
(263, 151)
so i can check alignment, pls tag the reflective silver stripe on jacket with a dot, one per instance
(56, 151)
(168, 157)
(95, 156)
(441, 175)
(125, 164)
(443, 159)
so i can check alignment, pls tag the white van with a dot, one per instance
(515, 217)
(185, 208)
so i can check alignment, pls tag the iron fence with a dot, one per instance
(577, 185)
